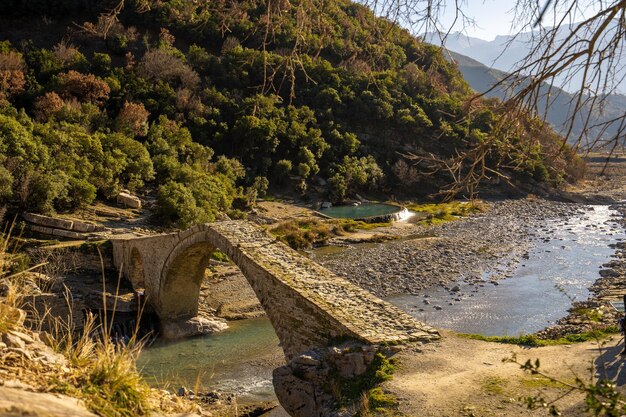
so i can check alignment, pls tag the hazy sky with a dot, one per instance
(493, 17)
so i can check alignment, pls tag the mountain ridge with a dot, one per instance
(482, 79)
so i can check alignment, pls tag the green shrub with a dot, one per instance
(176, 204)
(80, 194)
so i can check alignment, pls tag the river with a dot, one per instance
(565, 260)
(566, 257)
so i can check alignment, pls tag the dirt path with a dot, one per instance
(461, 377)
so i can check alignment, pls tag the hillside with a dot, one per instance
(482, 78)
(206, 105)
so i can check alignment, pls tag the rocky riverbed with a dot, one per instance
(478, 251)
(490, 243)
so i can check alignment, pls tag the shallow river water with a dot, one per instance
(565, 260)
(234, 361)
(566, 257)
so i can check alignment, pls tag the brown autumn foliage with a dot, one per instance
(406, 174)
(166, 38)
(47, 105)
(65, 53)
(133, 118)
(84, 87)
(161, 65)
(188, 102)
(12, 78)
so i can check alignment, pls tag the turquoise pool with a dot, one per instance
(361, 211)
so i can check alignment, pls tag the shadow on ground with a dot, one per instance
(611, 364)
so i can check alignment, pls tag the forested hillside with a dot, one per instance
(208, 103)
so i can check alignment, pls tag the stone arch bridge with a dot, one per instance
(308, 305)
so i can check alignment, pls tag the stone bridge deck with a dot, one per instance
(360, 311)
(308, 305)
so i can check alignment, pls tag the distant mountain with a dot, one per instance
(481, 78)
(502, 53)
(489, 53)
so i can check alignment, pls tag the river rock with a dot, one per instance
(194, 326)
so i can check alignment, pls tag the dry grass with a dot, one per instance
(103, 373)
(105, 376)
(437, 213)
(99, 371)
(12, 295)
(305, 233)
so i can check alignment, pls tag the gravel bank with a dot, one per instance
(493, 242)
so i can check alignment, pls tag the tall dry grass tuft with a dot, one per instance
(99, 371)
(11, 292)
(104, 373)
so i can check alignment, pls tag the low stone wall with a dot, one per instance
(54, 226)
(386, 218)
(383, 218)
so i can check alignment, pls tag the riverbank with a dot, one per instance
(457, 376)
(596, 312)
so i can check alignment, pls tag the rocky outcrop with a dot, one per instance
(55, 226)
(310, 384)
(19, 403)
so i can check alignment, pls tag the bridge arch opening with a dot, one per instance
(181, 280)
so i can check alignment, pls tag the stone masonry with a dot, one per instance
(308, 305)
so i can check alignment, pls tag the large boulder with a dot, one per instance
(128, 200)
(72, 229)
(47, 221)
